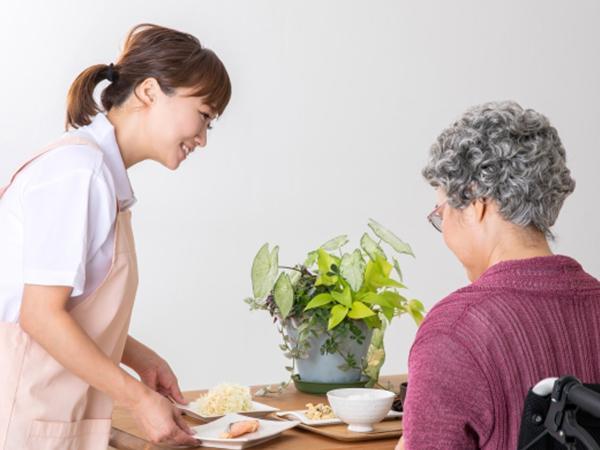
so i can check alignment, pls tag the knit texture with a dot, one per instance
(480, 350)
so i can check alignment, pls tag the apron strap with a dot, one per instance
(65, 140)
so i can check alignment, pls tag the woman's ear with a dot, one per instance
(147, 91)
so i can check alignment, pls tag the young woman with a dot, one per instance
(68, 268)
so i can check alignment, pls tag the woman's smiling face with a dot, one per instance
(176, 125)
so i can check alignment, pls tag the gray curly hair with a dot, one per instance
(512, 155)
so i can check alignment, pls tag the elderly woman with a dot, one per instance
(501, 179)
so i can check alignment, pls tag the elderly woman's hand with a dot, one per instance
(153, 370)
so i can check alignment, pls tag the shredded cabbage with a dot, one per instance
(223, 399)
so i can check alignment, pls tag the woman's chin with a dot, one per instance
(172, 164)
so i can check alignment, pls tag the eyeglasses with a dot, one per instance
(435, 217)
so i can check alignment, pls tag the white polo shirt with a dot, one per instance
(57, 219)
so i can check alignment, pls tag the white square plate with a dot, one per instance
(301, 416)
(258, 410)
(209, 433)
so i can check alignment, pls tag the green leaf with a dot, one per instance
(388, 313)
(390, 238)
(352, 269)
(384, 266)
(264, 270)
(335, 243)
(311, 258)
(375, 299)
(397, 268)
(360, 310)
(325, 261)
(416, 304)
(373, 322)
(338, 313)
(294, 277)
(344, 297)
(370, 247)
(416, 310)
(393, 299)
(376, 275)
(319, 300)
(284, 294)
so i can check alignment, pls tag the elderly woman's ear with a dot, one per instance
(480, 210)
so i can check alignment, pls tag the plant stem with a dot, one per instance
(291, 268)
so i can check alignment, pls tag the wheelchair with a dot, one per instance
(561, 413)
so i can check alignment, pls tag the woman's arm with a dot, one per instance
(45, 319)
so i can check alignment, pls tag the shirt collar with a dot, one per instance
(542, 272)
(103, 132)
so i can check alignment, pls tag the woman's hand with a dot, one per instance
(158, 376)
(152, 369)
(161, 421)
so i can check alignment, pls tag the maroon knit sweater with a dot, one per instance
(480, 350)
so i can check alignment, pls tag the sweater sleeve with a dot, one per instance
(448, 403)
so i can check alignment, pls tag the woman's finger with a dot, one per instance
(176, 393)
(180, 421)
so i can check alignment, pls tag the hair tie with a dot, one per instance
(111, 73)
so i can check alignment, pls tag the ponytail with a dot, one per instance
(174, 58)
(81, 106)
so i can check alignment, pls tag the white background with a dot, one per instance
(334, 107)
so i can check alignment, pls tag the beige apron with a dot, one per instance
(43, 406)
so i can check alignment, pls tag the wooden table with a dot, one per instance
(126, 436)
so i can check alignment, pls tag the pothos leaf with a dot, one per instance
(394, 299)
(359, 311)
(319, 300)
(416, 310)
(338, 313)
(344, 297)
(264, 270)
(325, 261)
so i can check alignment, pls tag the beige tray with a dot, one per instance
(382, 430)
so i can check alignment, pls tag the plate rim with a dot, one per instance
(241, 440)
(267, 409)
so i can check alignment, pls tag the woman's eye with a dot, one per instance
(207, 120)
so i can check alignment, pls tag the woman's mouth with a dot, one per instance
(186, 150)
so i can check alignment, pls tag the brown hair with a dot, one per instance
(175, 59)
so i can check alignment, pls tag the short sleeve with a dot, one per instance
(66, 217)
(448, 402)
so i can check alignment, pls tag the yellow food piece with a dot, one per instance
(319, 411)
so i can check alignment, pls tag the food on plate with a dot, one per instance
(319, 412)
(223, 399)
(237, 429)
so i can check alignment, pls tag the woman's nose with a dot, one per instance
(200, 140)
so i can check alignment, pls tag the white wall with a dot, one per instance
(335, 104)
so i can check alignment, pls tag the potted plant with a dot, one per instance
(332, 310)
